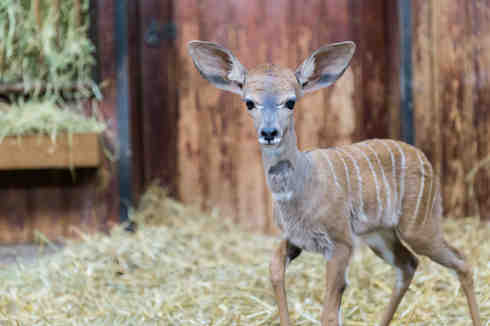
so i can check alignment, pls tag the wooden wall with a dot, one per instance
(451, 60)
(219, 163)
(199, 141)
(52, 201)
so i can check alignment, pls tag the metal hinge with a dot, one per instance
(158, 32)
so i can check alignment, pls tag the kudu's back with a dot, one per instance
(383, 184)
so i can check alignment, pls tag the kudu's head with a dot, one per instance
(270, 92)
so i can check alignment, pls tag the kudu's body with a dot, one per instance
(378, 191)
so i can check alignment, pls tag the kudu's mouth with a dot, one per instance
(269, 142)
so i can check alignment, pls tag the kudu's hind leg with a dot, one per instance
(438, 250)
(285, 253)
(387, 245)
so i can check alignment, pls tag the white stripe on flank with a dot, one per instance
(359, 179)
(422, 182)
(376, 183)
(331, 169)
(393, 168)
(387, 185)
(402, 173)
(347, 176)
(434, 200)
(430, 193)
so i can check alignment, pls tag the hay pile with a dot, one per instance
(45, 43)
(45, 117)
(46, 68)
(195, 269)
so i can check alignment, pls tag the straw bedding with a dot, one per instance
(184, 267)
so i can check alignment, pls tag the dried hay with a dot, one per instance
(48, 46)
(183, 267)
(45, 117)
(46, 68)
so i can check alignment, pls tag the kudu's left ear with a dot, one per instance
(325, 65)
(218, 65)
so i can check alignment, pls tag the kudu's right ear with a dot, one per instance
(218, 65)
(325, 65)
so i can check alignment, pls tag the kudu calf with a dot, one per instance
(381, 192)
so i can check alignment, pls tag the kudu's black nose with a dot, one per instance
(269, 133)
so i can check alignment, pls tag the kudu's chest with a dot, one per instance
(298, 214)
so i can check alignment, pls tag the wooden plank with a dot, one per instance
(159, 106)
(46, 202)
(310, 110)
(450, 106)
(47, 206)
(135, 96)
(189, 187)
(392, 86)
(41, 152)
(456, 127)
(374, 56)
(219, 111)
(427, 110)
(106, 193)
(342, 100)
(480, 42)
(357, 100)
(80, 203)
(15, 221)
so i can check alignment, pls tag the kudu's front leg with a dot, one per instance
(284, 254)
(336, 284)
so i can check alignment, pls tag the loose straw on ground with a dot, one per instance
(184, 267)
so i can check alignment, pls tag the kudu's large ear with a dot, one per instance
(325, 65)
(218, 65)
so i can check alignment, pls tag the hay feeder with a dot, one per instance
(40, 152)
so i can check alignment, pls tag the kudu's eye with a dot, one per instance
(290, 104)
(250, 104)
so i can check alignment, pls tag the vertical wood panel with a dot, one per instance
(106, 190)
(311, 33)
(188, 141)
(135, 95)
(15, 222)
(449, 94)
(375, 116)
(393, 55)
(342, 100)
(451, 37)
(426, 102)
(158, 99)
(480, 40)
(46, 201)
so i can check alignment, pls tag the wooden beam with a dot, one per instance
(41, 152)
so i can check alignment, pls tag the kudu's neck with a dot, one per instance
(285, 167)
